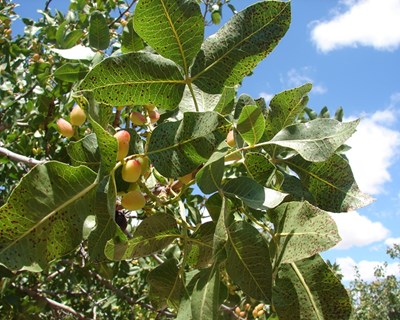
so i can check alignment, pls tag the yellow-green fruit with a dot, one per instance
(77, 116)
(65, 128)
(137, 118)
(230, 139)
(131, 170)
(145, 163)
(149, 107)
(123, 138)
(133, 200)
(186, 178)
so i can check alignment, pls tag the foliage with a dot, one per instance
(379, 299)
(222, 230)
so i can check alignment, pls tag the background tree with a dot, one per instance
(136, 183)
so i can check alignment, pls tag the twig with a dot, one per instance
(52, 303)
(19, 157)
(106, 283)
(47, 5)
(122, 13)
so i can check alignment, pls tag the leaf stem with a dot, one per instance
(196, 105)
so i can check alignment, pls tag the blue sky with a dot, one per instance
(350, 51)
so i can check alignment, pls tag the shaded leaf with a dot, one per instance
(251, 124)
(51, 201)
(227, 101)
(309, 290)
(331, 183)
(99, 35)
(153, 234)
(258, 167)
(315, 140)
(248, 262)
(166, 285)
(85, 152)
(253, 194)
(285, 107)
(233, 52)
(302, 230)
(177, 148)
(72, 38)
(209, 177)
(136, 78)
(71, 72)
(201, 246)
(130, 40)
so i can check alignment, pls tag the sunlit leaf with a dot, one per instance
(251, 124)
(71, 72)
(99, 35)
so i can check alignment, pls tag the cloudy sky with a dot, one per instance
(350, 51)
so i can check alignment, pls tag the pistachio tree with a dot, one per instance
(137, 183)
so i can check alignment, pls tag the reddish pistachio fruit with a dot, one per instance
(154, 116)
(131, 170)
(230, 139)
(65, 128)
(77, 116)
(123, 138)
(186, 178)
(137, 118)
(133, 200)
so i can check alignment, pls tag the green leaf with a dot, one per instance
(166, 285)
(136, 78)
(285, 107)
(309, 290)
(99, 35)
(245, 40)
(248, 262)
(201, 246)
(251, 124)
(174, 28)
(253, 194)
(244, 100)
(130, 41)
(209, 177)
(221, 233)
(106, 227)
(227, 101)
(72, 38)
(60, 34)
(38, 216)
(177, 148)
(153, 234)
(85, 152)
(316, 140)
(206, 297)
(259, 167)
(302, 230)
(71, 72)
(331, 183)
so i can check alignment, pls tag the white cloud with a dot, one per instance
(373, 23)
(366, 268)
(296, 78)
(391, 241)
(357, 230)
(374, 148)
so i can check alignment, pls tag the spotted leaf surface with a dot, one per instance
(316, 140)
(248, 262)
(99, 35)
(201, 246)
(85, 152)
(166, 285)
(284, 108)
(130, 40)
(153, 234)
(136, 78)
(177, 148)
(51, 202)
(309, 290)
(259, 167)
(331, 183)
(253, 194)
(302, 230)
(231, 54)
(174, 28)
(251, 124)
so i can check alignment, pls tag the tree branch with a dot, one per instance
(19, 157)
(122, 13)
(52, 303)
